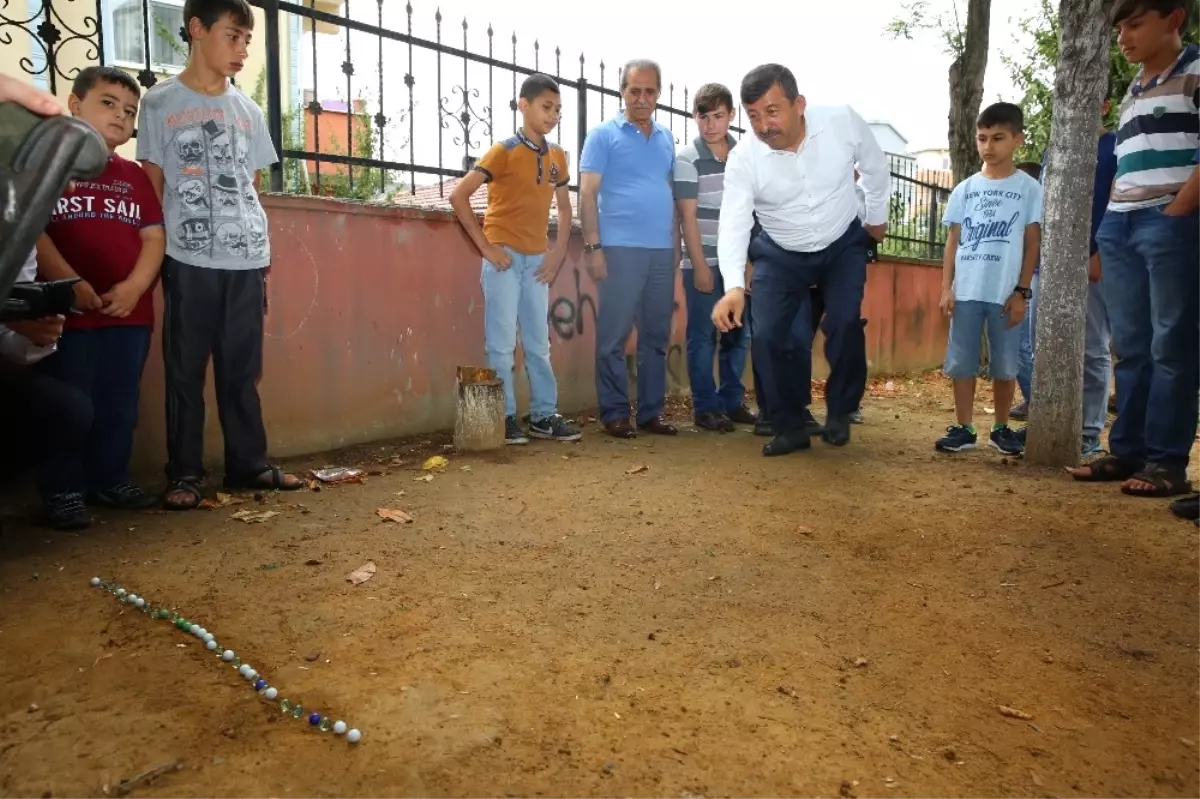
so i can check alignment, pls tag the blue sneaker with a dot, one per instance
(1005, 440)
(957, 439)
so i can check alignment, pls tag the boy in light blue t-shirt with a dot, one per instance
(995, 219)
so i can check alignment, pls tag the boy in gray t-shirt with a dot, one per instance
(202, 143)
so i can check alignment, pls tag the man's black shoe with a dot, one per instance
(784, 443)
(837, 431)
(765, 429)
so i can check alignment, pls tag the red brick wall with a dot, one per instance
(372, 308)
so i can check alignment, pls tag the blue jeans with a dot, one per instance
(966, 341)
(105, 365)
(1028, 337)
(639, 290)
(704, 342)
(1151, 284)
(782, 349)
(1097, 360)
(514, 298)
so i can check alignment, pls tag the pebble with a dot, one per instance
(33, 707)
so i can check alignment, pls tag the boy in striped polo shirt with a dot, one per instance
(698, 182)
(1149, 250)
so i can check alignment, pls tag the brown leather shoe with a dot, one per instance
(620, 428)
(659, 426)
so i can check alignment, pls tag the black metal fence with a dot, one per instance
(414, 110)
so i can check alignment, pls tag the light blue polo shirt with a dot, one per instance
(637, 206)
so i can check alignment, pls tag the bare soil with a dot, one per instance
(559, 621)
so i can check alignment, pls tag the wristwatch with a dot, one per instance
(591, 248)
(1025, 292)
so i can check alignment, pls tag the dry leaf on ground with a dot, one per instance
(254, 516)
(636, 469)
(425, 478)
(362, 573)
(222, 501)
(394, 515)
(1013, 713)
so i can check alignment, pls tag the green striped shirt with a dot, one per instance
(1158, 140)
(700, 176)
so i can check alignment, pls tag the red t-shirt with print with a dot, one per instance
(97, 226)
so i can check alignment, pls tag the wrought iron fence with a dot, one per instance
(398, 139)
(915, 210)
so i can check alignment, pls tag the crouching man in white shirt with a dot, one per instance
(41, 418)
(797, 176)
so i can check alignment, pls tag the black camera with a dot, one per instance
(29, 301)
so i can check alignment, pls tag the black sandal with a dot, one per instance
(1164, 482)
(271, 478)
(1109, 469)
(183, 486)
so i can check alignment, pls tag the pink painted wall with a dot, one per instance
(373, 307)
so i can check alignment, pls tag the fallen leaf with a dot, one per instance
(254, 517)
(1013, 713)
(425, 478)
(466, 468)
(394, 515)
(1036, 779)
(362, 573)
(436, 462)
(312, 562)
(636, 469)
(223, 500)
(399, 494)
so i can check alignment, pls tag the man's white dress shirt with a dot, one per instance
(806, 199)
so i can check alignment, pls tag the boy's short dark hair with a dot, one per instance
(209, 11)
(759, 81)
(536, 85)
(87, 79)
(1006, 114)
(710, 97)
(1031, 168)
(1131, 8)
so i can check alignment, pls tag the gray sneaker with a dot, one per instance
(513, 432)
(554, 428)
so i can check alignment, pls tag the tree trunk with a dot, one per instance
(1080, 83)
(479, 421)
(966, 90)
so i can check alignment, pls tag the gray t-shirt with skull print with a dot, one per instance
(209, 149)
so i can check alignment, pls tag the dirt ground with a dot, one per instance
(558, 622)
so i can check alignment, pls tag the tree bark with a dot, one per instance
(966, 90)
(1080, 83)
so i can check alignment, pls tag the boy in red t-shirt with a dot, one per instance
(109, 233)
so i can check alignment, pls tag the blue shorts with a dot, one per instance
(966, 338)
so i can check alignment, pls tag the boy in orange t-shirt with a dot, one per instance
(523, 174)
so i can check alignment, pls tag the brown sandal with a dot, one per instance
(1109, 469)
(1163, 482)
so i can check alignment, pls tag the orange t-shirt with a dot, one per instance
(521, 178)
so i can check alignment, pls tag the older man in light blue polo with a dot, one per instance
(631, 245)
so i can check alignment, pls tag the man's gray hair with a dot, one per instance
(641, 63)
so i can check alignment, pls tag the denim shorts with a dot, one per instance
(966, 337)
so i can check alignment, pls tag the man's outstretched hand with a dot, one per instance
(727, 313)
